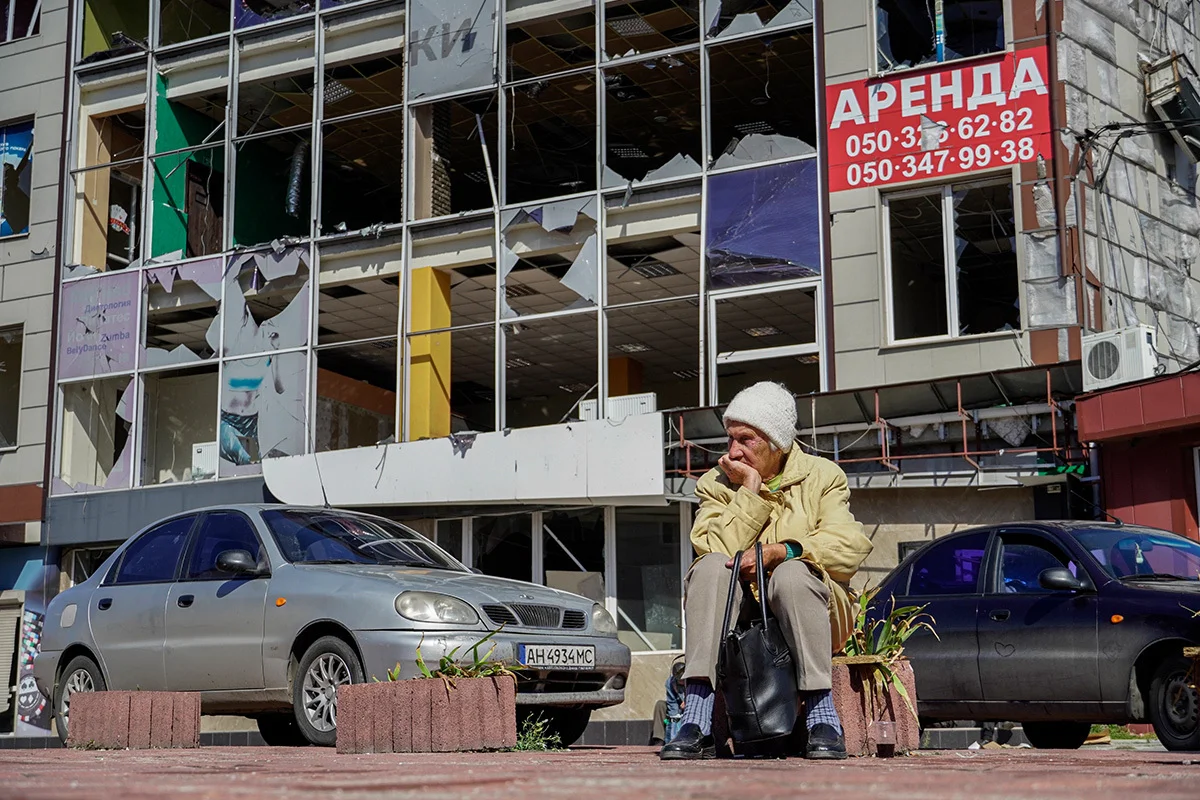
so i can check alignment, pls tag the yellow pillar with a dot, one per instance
(429, 365)
(624, 376)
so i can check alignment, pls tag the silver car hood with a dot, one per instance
(469, 586)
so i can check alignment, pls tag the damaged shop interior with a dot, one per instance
(339, 241)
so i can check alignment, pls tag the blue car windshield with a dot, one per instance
(1129, 552)
(330, 537)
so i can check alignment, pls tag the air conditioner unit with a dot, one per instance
(1119, 356)
(621, 407)
(1172, 96)
(204, 460)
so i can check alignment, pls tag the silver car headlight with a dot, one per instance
(602, 621)
(433, 607)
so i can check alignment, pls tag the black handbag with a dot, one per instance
(755, 674)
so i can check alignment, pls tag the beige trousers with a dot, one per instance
(798, 598)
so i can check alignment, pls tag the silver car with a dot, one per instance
(267, 609)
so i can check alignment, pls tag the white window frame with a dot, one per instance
(950, 260)
(20, 329)
(8, 35)
(873, 27)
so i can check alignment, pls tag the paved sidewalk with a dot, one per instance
(587, 774)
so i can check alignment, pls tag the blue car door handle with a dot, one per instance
(1000, 614)
(104, 604)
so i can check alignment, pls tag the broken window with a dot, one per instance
(800, 374)
(182, 307)
(187, 213)
(464, 251)
(449, 536)
(540, 44)
(573, 552)
(451, 382)
(365, 309)
(913, 32)
(655, 349)
(266, 301)
(767, 335)
(186, 20)
(362, 172)
(19, 19)
(180, 426)
(11, 341)
(952, 264)
(263, 410)
(16, 177)
(273, 189)
(633, 27)
(764, 225)
(552, 144)
(731, 17)
(550, 368)
(356, 394)
(275, 104)
(258, 12)
(762, 99)
(98, 325)
(95, 446)
(452, 46)
(649, 578)
(550, 258)
(361, 86)
(653, 268)
(653, 119)
(113, 28)
(453, 173)
(503, 546)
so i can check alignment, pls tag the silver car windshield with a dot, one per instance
(327, 537)
(1142, 553)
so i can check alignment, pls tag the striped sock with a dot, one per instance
(819, 708)
(699, 697)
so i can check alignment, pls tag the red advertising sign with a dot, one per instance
(946, 121)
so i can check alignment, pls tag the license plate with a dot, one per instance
(557, 656)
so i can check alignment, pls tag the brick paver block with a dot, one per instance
(135, 720)
(859, 712)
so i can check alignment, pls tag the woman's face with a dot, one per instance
(749, 446)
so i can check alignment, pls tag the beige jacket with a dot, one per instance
(811, 507)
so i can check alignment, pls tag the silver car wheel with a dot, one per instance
(324, 675)
(79, 681)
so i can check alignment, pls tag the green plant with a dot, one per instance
(535, 736)
(449, 668)
(879, 644)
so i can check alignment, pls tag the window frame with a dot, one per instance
(111, 578)
(7, 35)
(946, 190)
(873, 27)
(13, 123)
(264, 556)
(20, 327)
(992, 585)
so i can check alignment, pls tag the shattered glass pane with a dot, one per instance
(988, 290)
(552, 144)
(98, 325)
(973, 27)
(187, 208)
(113, 137)
(356, 87)
(191, 121)
(95, 449)
(544, 44)
(633, 27)
(762, 99)
(273, 188)
(249, 13)
(185, 20)
(730, 17)
(182, 304)
(550, 367)
(503, 546)
(653, 119)
(550, 259)
(180, 426)
(262, 411)
(472, 378)
(356, 395)
(574, 552)
(108, 217)
(654, 268)
(655, 348)
(266, 301)
(114, 29)
(452, 46)
(764, 225)
(763, 321)
(455, 176)
(281, 102)
(365, 309)
(918, 266)
(363, 172)
(800, 374)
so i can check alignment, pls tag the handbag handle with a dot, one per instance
(733, 582)
(762, 581)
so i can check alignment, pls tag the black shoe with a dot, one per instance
(689, 744)
(825, 742)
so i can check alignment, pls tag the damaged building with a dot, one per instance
(493, 267)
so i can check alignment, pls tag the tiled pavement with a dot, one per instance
(584, 773)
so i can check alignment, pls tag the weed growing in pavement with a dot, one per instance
(535, 736)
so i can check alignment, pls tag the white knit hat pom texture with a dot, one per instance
(770, 408)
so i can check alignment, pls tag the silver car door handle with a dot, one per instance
(185, 600)
(104, 604)
(1000, 614)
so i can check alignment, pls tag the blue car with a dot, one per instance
(1056, 625)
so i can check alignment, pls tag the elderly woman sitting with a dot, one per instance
(768, 490)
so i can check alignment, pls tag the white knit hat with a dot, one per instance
(768, 406)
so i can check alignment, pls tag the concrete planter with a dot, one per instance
(427, 716)
(876, 719)
(134, 720)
